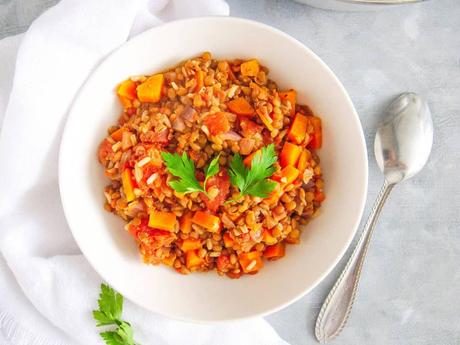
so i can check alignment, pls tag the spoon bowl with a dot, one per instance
(404, 139)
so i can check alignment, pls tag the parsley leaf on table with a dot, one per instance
(184, 168)
(110, 308)
(254, 181)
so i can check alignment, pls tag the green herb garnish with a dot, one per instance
(184, 168)
(254, 181)
(109, 313)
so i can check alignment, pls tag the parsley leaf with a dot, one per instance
(111, 338)
(110, 308)
(212, 169)
(254, 181)
(184, 168)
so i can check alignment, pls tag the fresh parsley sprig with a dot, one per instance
(184, 168)
(254, 181)
(109, 313)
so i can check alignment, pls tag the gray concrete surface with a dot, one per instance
(410, 290)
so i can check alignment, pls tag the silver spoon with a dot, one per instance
(402, 147)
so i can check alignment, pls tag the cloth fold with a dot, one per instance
(47, 288)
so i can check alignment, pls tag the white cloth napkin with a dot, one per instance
(47, 288)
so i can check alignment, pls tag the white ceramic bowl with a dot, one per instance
(208, 297)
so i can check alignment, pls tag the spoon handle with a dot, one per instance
(337, 306)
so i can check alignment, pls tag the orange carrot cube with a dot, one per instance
(169, 260)
(185, 223)
(288, 175)
(118, 134)
(190, 244)
(163, 220)
(268, 237)
(303, 161)
(275, 195)
(290, 154)
(207, 221)
(151, 89)
(127, 89)
(251, 262)
(240, 106)
(317, 135)
(228, 240)
(192, 259)
(275, 251)
(126, 92)
(217, 123)
(298, 129)
(250, 68)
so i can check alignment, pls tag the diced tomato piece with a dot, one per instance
(298, 129)
(275, 251)
(134, 229)
(249, 128)
(207, 221)
(105, 150)
(240, 106)
(190, 244)
(233, 275)
(147, 171)
(223, 262)
(192, 259)
(217, 123)
(251, 262)
(290, 154)
(222, 182)
(266, 137)
(290, 96)
(162, 220)
(144, 232)
(317, 135)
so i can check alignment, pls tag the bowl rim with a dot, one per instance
(354, 117)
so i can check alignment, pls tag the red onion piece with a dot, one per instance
(230, 135)
(178, 124)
